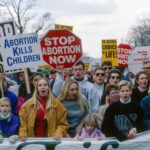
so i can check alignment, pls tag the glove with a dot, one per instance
(1, 139)
(12, 139)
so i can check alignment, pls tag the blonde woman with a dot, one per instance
(43, 115)
(75, 103)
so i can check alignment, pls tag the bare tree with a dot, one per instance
(139, 35)
(21, 11)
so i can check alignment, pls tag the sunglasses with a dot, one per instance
(146, 67)
(113, 77)
(98, 74)
(105, 68)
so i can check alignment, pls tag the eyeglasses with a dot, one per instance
(105, 68)
(146, 67)
(113, 77)
(114, 93)
(98, 74)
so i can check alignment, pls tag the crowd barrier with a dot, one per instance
(141, 142)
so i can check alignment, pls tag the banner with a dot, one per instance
(140, 142)
(109, 51)
(21, 51)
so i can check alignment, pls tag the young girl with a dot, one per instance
(89, 129)
(9, 123)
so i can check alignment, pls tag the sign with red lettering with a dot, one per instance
(61, 47)
(123, 53)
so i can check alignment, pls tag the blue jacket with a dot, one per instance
(13, 99)
(145, 105)
(9, 126)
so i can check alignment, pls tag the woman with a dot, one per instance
(33, 81)
(43, 115)
(112, 95)
(75, 103)
(141, 87)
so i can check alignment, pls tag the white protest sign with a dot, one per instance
(21, 51)
(137, 57)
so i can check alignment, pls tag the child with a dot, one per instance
(89, 129)
(123, 119)
(9, 123)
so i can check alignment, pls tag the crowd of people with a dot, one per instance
(103, 102)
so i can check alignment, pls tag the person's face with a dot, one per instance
(99, 77)
(78, 71)
(114, 95)
(69, 72)
(35, 79)
(146, 68)
(44, 75)
(43, 88)
(107, 68)
(114, 78)
(142, 81)
(125, 93)
(73, 91)
(89, 128)
(5, 107)
(22, 77)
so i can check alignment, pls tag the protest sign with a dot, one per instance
(61, 47)
(109, 51)
(21, 51)
(137, 57)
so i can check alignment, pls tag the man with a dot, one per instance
(146, 68)
(107, 65)
(99, 78)
(87, 88)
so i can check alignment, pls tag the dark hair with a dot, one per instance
(98, 68)
(138, 76)
(146, 62)
(110, 87)
(114, 71)
(80, 62)
(106, 63)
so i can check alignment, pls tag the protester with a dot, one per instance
(87, 88)
(9, 123)
(89, 129)
(99, 78)
(43, 115)
(4, 92)
(33, 81)
(107, 65)
(140, 89)
(146, 68)
(123, 119)
(112, 95)
(114, 76)
(145, 105)
(76, 105)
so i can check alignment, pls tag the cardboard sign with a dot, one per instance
(21, 51)
(124, 51)
(58, 26)
(137, 57)
(109, 51)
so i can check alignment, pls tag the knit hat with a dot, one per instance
(45, 72)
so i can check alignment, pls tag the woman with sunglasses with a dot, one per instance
(114, 76)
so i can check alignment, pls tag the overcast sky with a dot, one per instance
(94, 20)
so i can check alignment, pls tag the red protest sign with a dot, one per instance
(123, 53)
(61, 47)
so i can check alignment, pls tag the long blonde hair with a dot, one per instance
(50, 96)
(82, 102)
